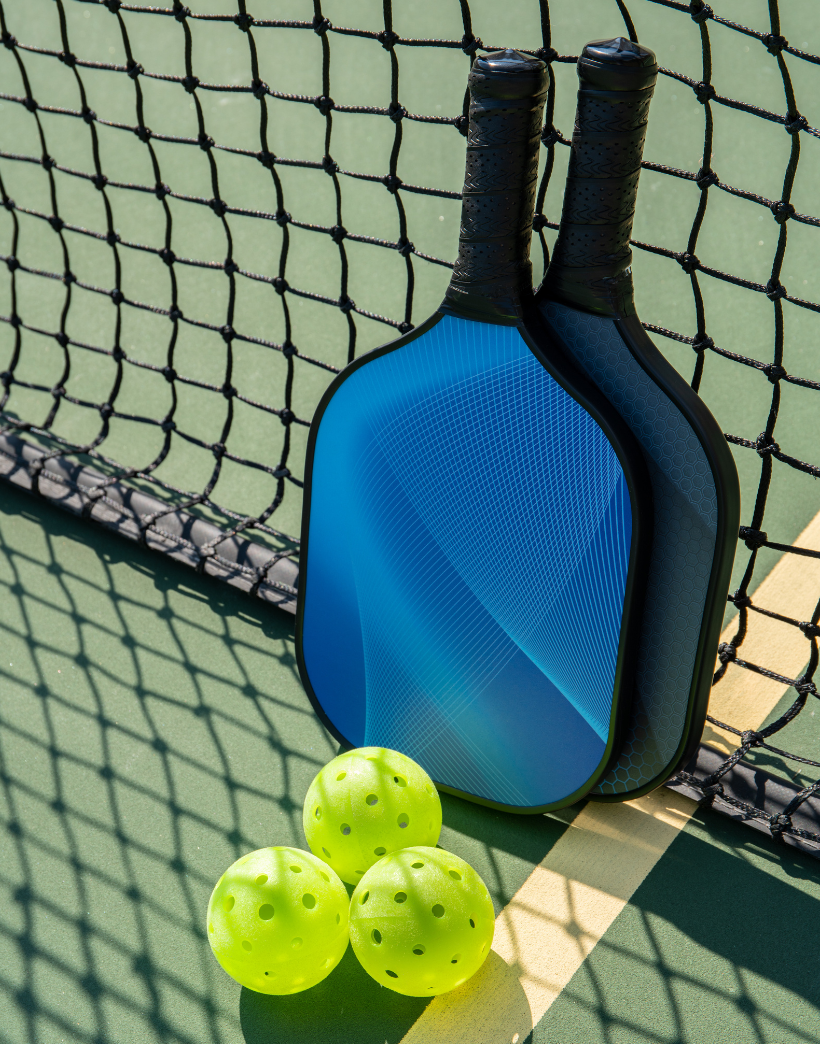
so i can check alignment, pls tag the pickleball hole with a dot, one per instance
(246, 945)
(472, 923)
(266, 912)
(359, 872)
(438, 910)
(456, 876)
(227, 903)
(345, 829)
(392, 974)
(379, 851)
(428, 788)
(376, 936)
(417, 866)
(400, 897)
(338, 918)
(340, 777)
(402, 782)
(308, 901)
(296, 869)
(372, 799)
(456, 958)
(364, 898)
(418, 950)
(318, 812)
(329, 856)
(260, 880)
(324, 876)
(296, 943)
(403, 820)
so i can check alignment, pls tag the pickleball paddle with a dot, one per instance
(478, 518)
(586, 300)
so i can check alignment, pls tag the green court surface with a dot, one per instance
(152, 723)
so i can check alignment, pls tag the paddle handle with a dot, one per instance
(493, 270)
(591, 260)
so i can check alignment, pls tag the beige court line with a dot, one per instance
(569, 901)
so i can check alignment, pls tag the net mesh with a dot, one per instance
(234, 306)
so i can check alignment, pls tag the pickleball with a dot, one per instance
(278, 920)
(367, 803)
(421, 921)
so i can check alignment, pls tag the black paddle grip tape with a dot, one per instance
(591, 260)
(493, 271)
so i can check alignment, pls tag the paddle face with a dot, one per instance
(471, 566)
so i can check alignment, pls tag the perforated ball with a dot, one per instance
(278, 920)
(421, 921)
(366, 803)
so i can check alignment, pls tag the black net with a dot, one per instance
(208, 213)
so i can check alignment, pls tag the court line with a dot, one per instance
(568, 902)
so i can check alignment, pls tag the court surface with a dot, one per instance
(152, 724)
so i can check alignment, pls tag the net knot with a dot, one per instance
(30, 104)
(219, 449)
(6, 379)
(12, 263)
(794, 123)
(267, 159)
(688, 262)
(470, 44)
(67, 58)
(405, 247)
(324, 104)
(392, 183)
(782, 211)
(461, 123)
(346, 304)
(118, 354)
(113, 5)
(329, 165)
(388, 39)
(699, 11)
(805, 686)
(281, 472)
(228, 333)
(8, 40)
(106, 409)
(218, 206)
(280, 284)
(396, 112)
(205, 141)
(281, 217)
(775, 44)
(228, 390)
(809, 629)
(56, 223)
(702, 343)
(774, 372)
(190, 83)
(765, 445)
(180, 12)
(775, 290)
(338, 233)
(740, 601)
(244, 21)
(549, 136)
(99, 181)
(752, 538)
(168, 425)
(546, 54)
(727, 653)
(405, 327)
(231, 267)
(287, 416)
(704, 92)
(168, 256)
(321, 25)
(112, 238)
(779, 824)
(712, 790)
(750, 738)
(289, 350)
(134, 69)
(539, 222)
(161, 190)
(259, 89)
(69, 277)
(143, 133)
(704, 179)
(15, 320)
(9, 204)
(58, 391)
(117, 296)
(47, 162)
(169, 373)
(175, 314)
(62, 339)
